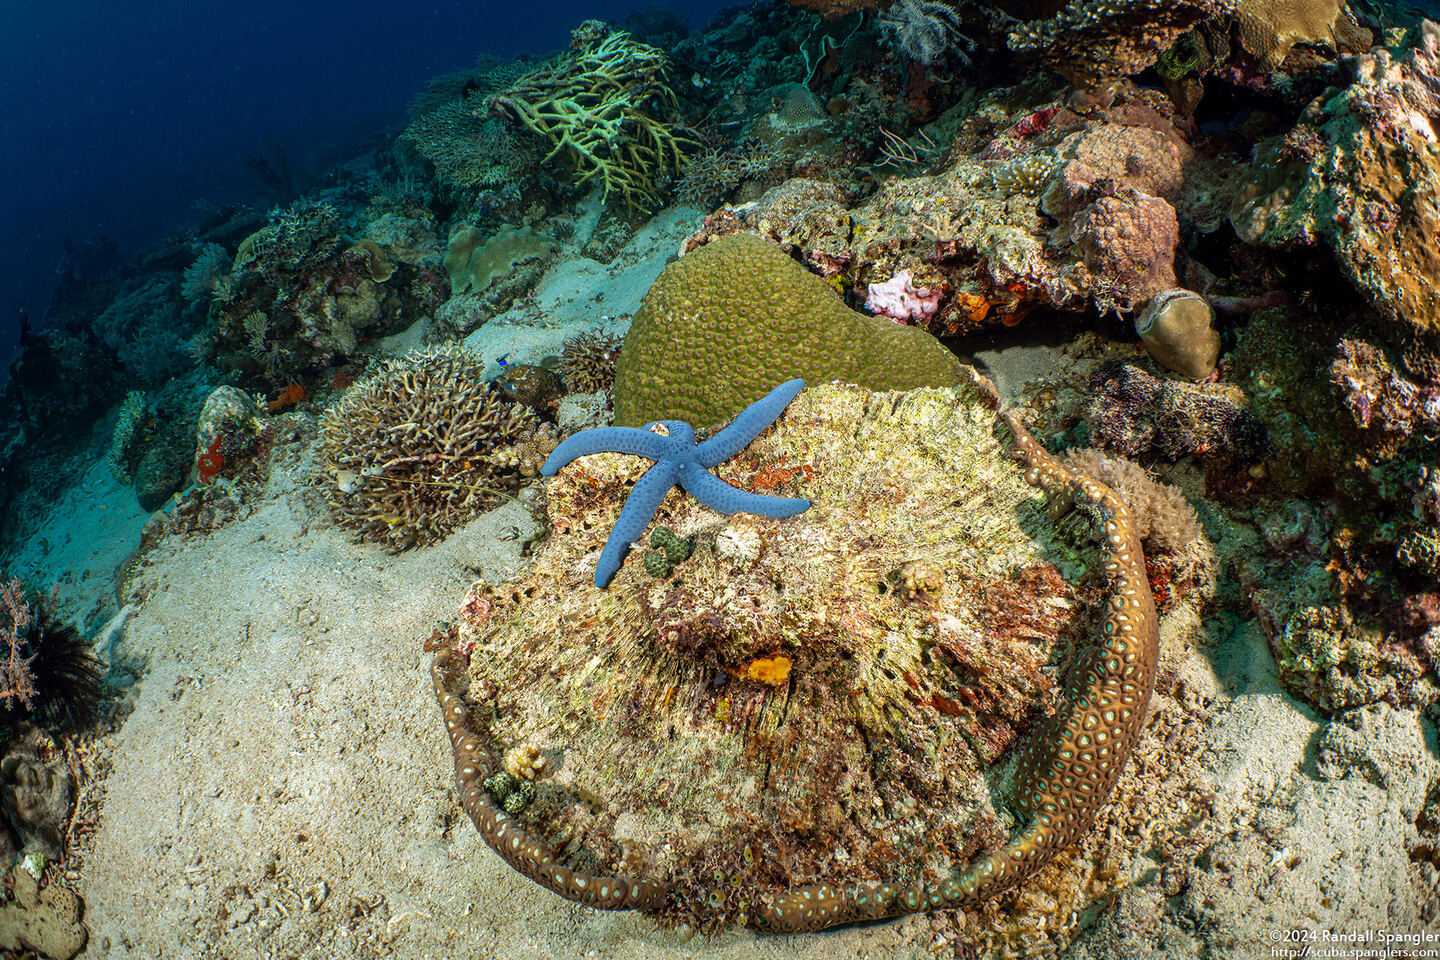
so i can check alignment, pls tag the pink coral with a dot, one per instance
(898, 299)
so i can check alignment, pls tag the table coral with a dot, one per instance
(798, 742)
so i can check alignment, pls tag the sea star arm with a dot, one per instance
(747, 425)
(640, 506)
(641, 443)
(723, 498)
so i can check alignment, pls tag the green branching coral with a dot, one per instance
(723, 325)
(421, 447)
(602, 109)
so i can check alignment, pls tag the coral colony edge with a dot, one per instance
(1066, 768)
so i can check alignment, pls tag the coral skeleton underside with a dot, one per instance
(1067, 768)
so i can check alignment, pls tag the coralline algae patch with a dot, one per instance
(916, 603)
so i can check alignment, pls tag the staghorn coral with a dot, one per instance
(421, 447)
(602, 108)
(727, 322)
(587, 361)
(877, 755)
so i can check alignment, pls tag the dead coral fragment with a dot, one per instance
(601, 108)
(421, 447)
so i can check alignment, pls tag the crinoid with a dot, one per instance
(810, 721)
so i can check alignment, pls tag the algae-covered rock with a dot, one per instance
(817, 699)
(1361, 173)
(43, 920)
(721, 327)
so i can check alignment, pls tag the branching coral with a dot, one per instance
(470, 153)
(926, 30)
(601, 109)
(421, 447)
(587, 361)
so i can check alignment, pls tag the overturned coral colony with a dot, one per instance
(1119, 441)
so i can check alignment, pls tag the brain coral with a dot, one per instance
(725, 324)
(816, 699)
(421, 447)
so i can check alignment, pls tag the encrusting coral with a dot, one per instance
(720, 327)
(602, 108)
(799, 736)
(422, 446)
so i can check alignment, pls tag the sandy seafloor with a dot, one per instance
(281, 784)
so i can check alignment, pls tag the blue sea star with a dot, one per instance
(679, 459)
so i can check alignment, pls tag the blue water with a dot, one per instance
(119, 119)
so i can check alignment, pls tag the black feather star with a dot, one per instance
(66, 679)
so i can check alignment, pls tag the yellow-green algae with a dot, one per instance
(916, 601)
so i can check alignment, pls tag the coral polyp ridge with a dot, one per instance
(837, 723)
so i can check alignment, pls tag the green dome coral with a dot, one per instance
(721, 327)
